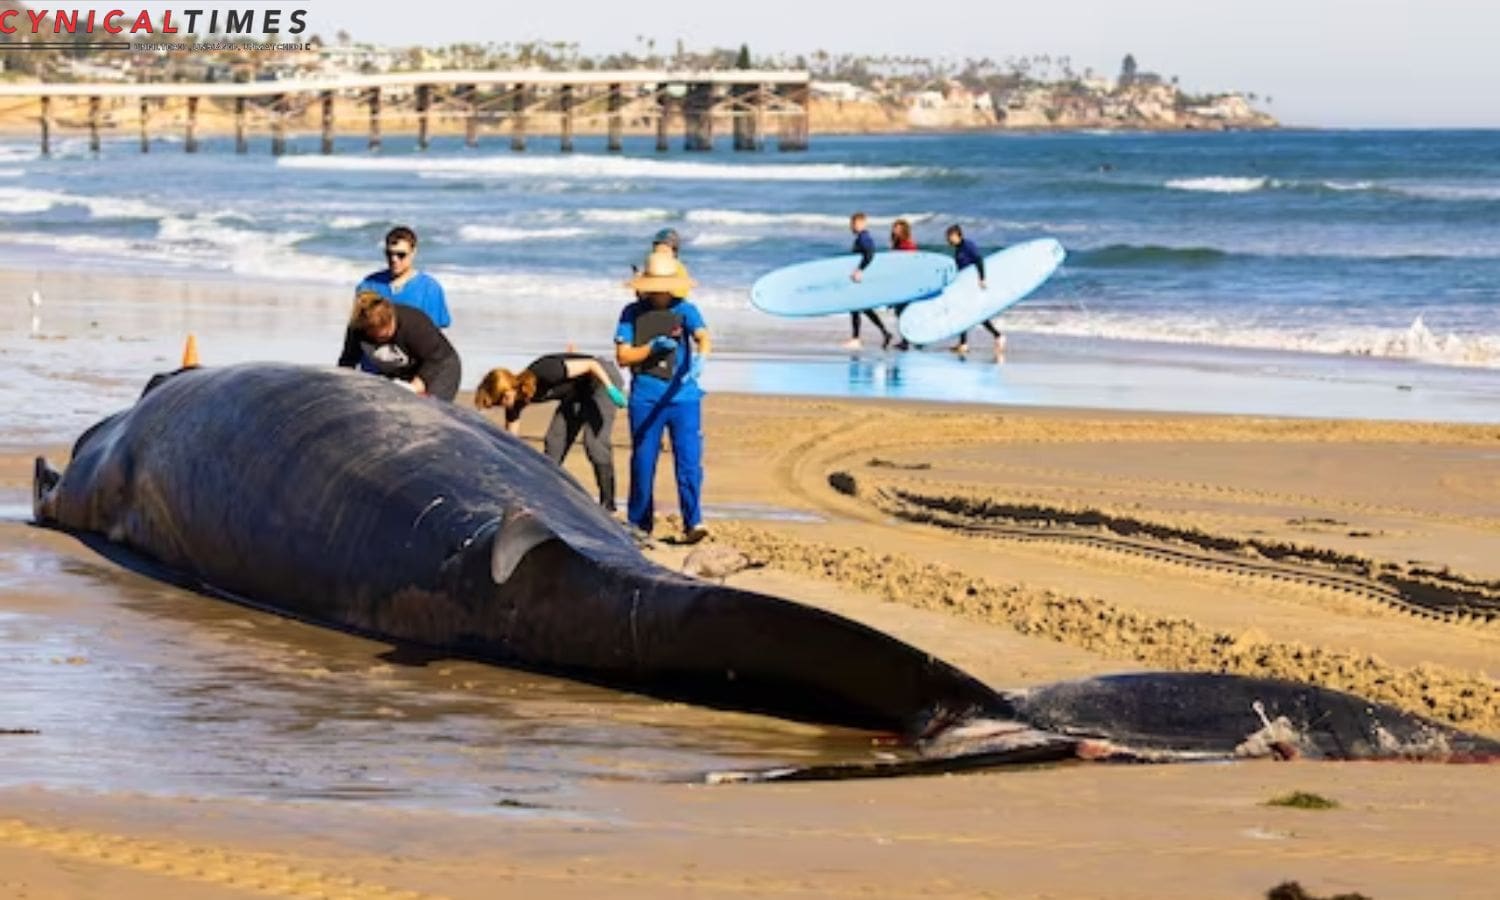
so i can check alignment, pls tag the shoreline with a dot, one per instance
(121, 321)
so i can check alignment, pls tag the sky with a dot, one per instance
(1331, 63)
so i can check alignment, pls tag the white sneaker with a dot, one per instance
(851, 344)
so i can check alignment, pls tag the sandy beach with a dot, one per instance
(1024, 545)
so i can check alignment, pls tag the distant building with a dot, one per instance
(353, 59)
(843, 92)
(1229, 106)
(85, 70)
(926, 100)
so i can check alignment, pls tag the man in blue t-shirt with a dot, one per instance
(400, 282)
(664, 340)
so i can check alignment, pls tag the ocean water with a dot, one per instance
(1333, 246)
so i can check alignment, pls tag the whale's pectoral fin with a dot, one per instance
(44, 479)
(520, 532)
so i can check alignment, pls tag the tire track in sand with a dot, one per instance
(265, 874)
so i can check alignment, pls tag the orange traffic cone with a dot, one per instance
(190, 352)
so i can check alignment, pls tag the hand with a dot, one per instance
(418, 386)
(695, 368)
(857, 275)
(663, 344)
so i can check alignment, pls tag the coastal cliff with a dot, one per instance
(1145, 107)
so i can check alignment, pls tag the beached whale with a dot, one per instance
(341, 499)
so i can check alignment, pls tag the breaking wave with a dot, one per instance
(1417, 342)
(500, 234)
(591, 167)
(1219, 184)
(21, 201)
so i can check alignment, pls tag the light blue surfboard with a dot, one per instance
(823, 286)
(1011, 275)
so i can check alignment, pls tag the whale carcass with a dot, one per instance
(337, 498)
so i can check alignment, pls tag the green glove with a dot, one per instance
(616, 396)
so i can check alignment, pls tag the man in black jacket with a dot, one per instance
(400, 343)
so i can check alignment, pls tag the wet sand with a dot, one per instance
(193, 747)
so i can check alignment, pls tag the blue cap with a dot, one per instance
(667, 236)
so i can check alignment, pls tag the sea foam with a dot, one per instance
(592, 167)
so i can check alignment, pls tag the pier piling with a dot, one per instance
(697, 118)
(278, 125)
(241, 145)
(94, 125)
(615, 104)
(46, 122)
(663, 123)
(190, 139)
(565, 110)
(518, 101)
(424, 107)
(749, 113)
(375, 118)
(470, 97)
(794, 127)
(327, 146)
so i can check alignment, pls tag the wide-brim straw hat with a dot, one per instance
(664, 273)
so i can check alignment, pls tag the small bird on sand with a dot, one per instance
(714, 561)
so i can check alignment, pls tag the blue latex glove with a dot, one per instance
(695, 367)
(663, 344)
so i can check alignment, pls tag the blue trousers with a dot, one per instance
(648, 419)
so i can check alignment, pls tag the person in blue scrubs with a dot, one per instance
(400, 282)
(664, 341)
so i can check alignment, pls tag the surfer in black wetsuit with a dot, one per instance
(864, 245)
(965, 254)
(587, 391)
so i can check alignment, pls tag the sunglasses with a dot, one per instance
(397, 254)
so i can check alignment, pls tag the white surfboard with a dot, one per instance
(1011, 275)
(823, 287)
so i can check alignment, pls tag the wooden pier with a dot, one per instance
(524, 104)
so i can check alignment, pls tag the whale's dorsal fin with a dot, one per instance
(519, 533)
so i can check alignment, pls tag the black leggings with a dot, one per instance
(870, 314)
(988, 326)
(594, 417)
